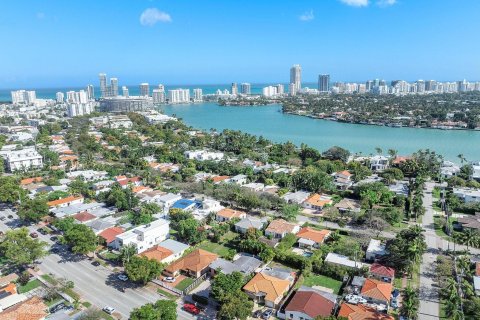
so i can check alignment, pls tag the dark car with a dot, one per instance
(57, 307)
(95, 263)
(42, 231)
(267, 314)
(54, 250)
(10, 216)
(257, 314)
(54, 238)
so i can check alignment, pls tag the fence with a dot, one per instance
(166, 286)
(195, 284)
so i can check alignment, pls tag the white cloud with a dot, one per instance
(307, 16)
(355, 3)
(386, 3)
(151, 16)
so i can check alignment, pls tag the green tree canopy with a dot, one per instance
(81, 239)
(142, 269)
(19, 248)
(160, 310)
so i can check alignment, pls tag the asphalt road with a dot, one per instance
(98, 285)
(429, 295)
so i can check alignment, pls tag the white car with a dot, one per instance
(169, 279)
(108, 310)
(122, 277)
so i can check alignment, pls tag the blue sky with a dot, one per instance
(58, 43)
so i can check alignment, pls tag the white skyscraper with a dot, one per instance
(113, 87)
(125, 92)
(280, 89)
(269, 91)
(158, 96)
(23, 97)
(197, 95)
(292, 89)
(234, 89)
(245, 88)
(90, 92)
(179, 96)
(144, 89)
(60, 97)
(296, 77)
(103, 85)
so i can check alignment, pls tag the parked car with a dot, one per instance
(54, 250)
(96, 264)
(57, 307)
(190, 308)
(54, 238)
(2, 218)
(394, 304)
(257, 313)
(267, 314)
(42, 231)
(169, 279)
(122, 277)
(109, 310)
(10, 216)
(395, 293)
(34, 235)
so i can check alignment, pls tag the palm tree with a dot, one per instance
(410, 303)
(470, 238)
(462, 158)
(378, 150)
(452, 310)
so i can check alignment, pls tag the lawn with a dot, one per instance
(49, 279)
(230, 235)
(319, 280)
(219, 249)
(184, 284)
(167, 294)
(29, 286)
(111, 256)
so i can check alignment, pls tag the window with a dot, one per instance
(291, 315)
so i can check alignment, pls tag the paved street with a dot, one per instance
(429, 300)
(97, 285)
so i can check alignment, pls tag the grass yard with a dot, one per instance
(184, 284)
(29, 286)
(319, 280)
(167, 294)
(216, 248)
(49, 279)
(230, 235)
(111, 256)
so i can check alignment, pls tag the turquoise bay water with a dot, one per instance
(271, 123)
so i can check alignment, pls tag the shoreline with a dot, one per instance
(378, 124)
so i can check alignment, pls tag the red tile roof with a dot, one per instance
(377, 289)
(312, 234)
(111, 233)
(30, 180)
(361, 312)
(62, 201)
(477, 269)
(311, 303)
(84, 216)
(382, 270)
(31, 309)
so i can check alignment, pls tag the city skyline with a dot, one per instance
(152, 41)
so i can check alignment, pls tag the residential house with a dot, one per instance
(347, 205)
(220, 179)
(186, 205)
(311, 238)
(28, 181)
(297, 197)
(31, 309)
(144, 237)
(166, 251)
(308, 304)
(203, 155)
(108, 235)
(166, 201)
(84, 217)
(125, 182)
(228, 214)
(375, 250)
(318, 202)
(476, 171)
(244, 264)
(381, 272)
(102, 224)
(24, 159)
(267, 289)
(279, 228)
(379, 163)
(344, 261)
(247, 223)
(400, 189)
(254, 186)
(194, 264)
(88, 175)
(361, 312)
(449, 169)
(377, 291)
(470, 222)
(343, 179)
(467, 195)
(476, 285)
(65, 202)
(239, 179)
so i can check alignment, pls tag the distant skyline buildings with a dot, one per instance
(324, 83)
(296, 77)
